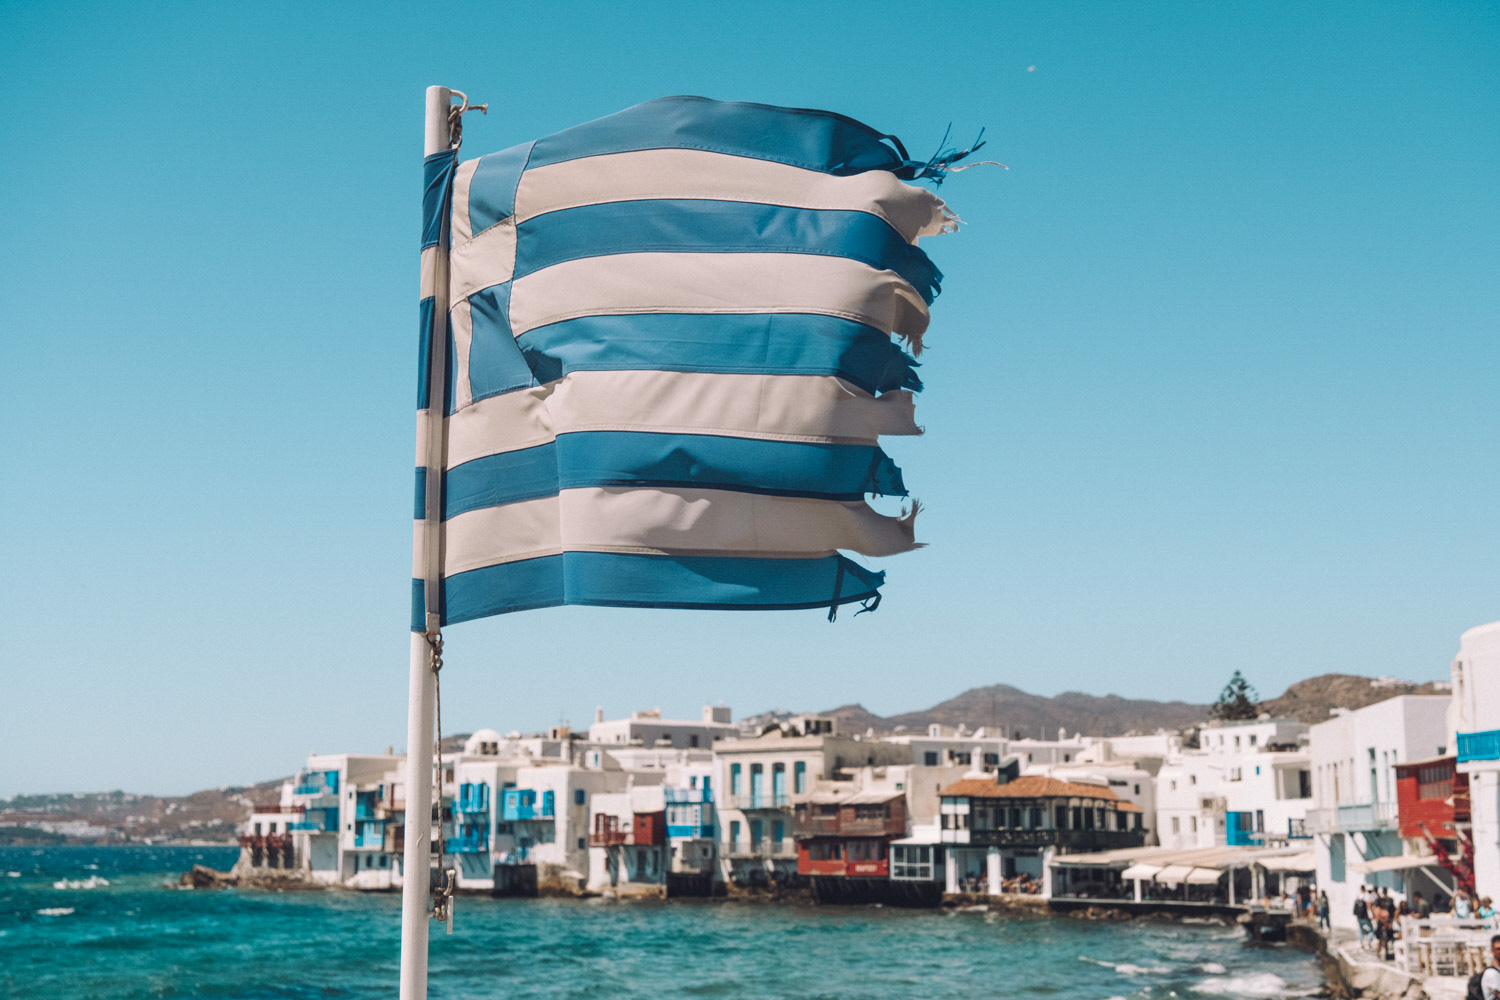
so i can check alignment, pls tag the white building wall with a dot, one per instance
(1354, 757)
(1476, 709)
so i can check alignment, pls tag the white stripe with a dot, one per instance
(809, 408)
(692, 173)
(461, 228)
(667, 522)
(718, 283)
(461, 326)
(429, 271)
(488, 259)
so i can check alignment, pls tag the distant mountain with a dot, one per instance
(125, 817)
(1001, 707)
(1313, 699)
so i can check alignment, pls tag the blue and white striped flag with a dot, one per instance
(672, 344)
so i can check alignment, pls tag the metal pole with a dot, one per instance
(415, 871)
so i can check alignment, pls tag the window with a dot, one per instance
(734, 779)
(778, 831)
(734, 832)
(1192, 779)
(1174, 785)
(693, 740)
(930, 758)
(579, 797)
(582, 843)
(799, 777)
(1176, 825)
(1252, 739)
(1137, 789)
(1192, 824)
(992, 758)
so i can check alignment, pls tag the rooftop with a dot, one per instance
(1032, 787)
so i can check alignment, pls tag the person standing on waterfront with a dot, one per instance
(1489, 982)
(1362, 915)
(1324, 923)
(1462, 909)
(1423, 909)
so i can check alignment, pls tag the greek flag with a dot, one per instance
(673, 339)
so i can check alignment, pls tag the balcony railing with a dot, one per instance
(467, 845)
(760, 800)
(271, 810)
(687, 796)
(369, 840)
(1365, 816)
(1479, 746)
(609, 838)
(834, 826)
(1076, 840)
(784, 848)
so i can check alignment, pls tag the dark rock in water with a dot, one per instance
(204, 877)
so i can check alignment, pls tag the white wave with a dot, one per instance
(1249, 984)
(92, 882)
(1128, 968)
(12, 874)
(55, 911)
(92, 868)
(1213, 967)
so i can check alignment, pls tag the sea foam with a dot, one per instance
(92, 882)
(1250, 984)
(55, 911)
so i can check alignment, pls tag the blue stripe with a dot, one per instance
(642, 581)
(496, 364)
(703, 461)
(437, 189)
(814, 140)
(707, 226)
(492, 189)
(747, 343)
(419, 511)
(424, 351)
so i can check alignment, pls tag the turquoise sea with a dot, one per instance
(66, 935)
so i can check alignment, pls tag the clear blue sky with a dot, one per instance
(1212, 384)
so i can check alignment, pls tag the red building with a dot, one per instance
(643, 830)
(1432, 798)
(848, 834)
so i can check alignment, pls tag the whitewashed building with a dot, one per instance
(1247, 784)
(1356, 820)
(647, 728)
(1474, 724)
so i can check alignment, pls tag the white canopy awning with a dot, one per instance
(1173, 874)
(1140, 871)
(1304, 862)
(1394, 863)
(1203, 876)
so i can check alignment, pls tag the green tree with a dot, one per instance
(1238, 700)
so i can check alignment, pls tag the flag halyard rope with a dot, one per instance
(442, 893)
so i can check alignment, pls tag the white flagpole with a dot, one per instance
(416, 874)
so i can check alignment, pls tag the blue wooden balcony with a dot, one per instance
(1479, 746)
(469, 843)
(521, 804)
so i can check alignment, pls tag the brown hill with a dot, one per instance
(1311, 700)
(1001, 707)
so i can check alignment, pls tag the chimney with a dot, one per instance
(390, 751)
(599, 713)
